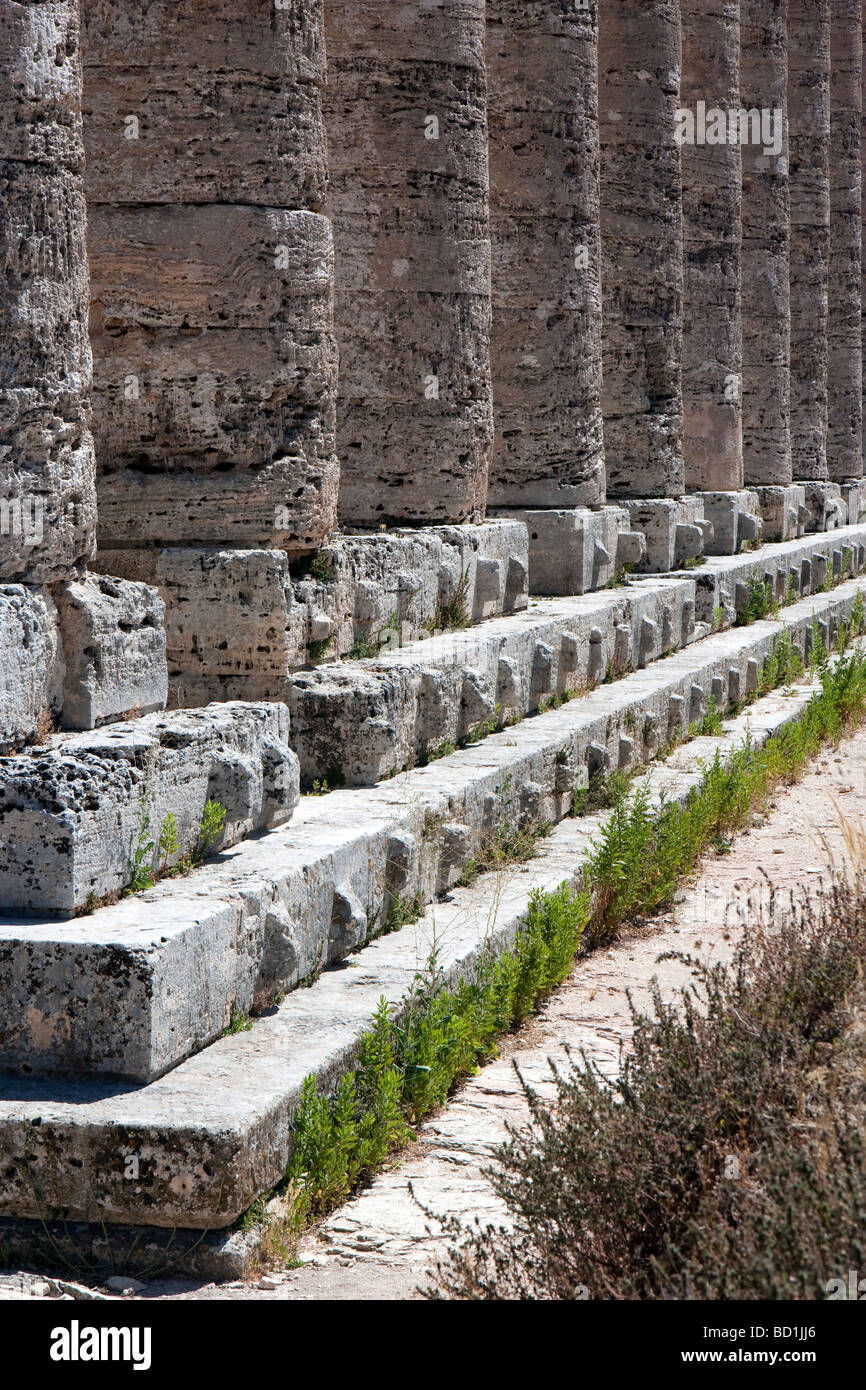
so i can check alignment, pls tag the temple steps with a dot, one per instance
(193, 1149)
(133, 989)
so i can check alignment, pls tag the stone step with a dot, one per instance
(82, 653)
(357, 722)
(196, 1147)
(81, 813)
(135, 988)
(805, 564)
(238, 621)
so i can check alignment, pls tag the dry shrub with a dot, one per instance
(727, 1161)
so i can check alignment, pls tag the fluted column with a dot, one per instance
(844, 431)
(47, 494)
(641, 222)
(809, 129)
(766, 239)
(546, 333)
(712, 187)
(406, 114)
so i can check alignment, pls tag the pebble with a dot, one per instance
(122, 1283)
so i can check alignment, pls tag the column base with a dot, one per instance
(676, 531)
(576, 550)
(736, 520)
(854, 499)
(783, 510)
(825, 508)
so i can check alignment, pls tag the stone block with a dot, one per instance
(226, 102)
(825, 506)
(571, 551)
(735, 518)
(783, 512)
(361, 721)
(227, 620)
(31, 668)
(854, 500)
(675, 530)
(114, 646)
(75, 814)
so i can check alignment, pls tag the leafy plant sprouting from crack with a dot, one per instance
(141, 871)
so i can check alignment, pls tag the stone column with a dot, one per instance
(844, 434)
(809, 129)
(212, 273)
(712, 186)
(47, 495)
(766, 235)
(546, 337)
(641, 226)
(407, 132)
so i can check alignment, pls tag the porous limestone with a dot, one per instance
(783, 512)
(212, 274)
(826, 508)
(542, 61)
(641, 235)
(766, 296)
(791, 569)
(78, 815)
(31, 669)
(712, 195)
(577, 550)
(238, 621)
(357, 722)
(47, 492)
(844, 324)
(195, 1147)
(407, 132)
(735, 518)
(114, 648)
(227, 620)
(675, 531)
(808, 48)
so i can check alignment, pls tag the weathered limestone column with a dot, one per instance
(809, 129)
(212, 273)
(546, 337)
(407, 134)
(766, 233)
(844, 433)
(47, 494)
(641, 225)
(712, 187)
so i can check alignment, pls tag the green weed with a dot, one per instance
(453, 614)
